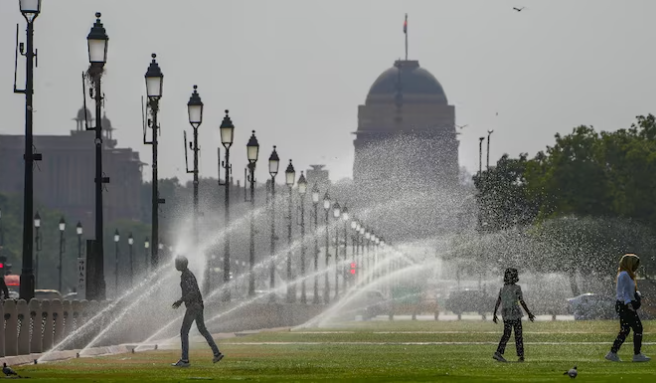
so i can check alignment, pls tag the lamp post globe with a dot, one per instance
(252, 149)
(354, 224)
(37, 220)
(62, 224)
(130, 239)
(274, 162)
(326, 202)
(302, 185)
(227, 130)
(290, 174)
(97, 43)
(154, 80)
(195, 109)
(117, 237)
(345, 214)
(367, 235)
(147, 243)
(337, 210)
(362, 230)
(30, 8)
(78, 228)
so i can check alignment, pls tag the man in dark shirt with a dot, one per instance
(193, 301)
(3, 287)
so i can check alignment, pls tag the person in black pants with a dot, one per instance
(509, 297)
(193, 301)
(628, 302)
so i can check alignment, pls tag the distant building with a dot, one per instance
(406, 149)
(64, 179)
(318, 175)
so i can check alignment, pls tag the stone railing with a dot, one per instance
(39, 325)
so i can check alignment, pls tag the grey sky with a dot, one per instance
(295, 70)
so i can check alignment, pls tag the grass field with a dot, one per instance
(379, 352)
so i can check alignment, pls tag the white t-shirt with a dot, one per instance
(510, 297)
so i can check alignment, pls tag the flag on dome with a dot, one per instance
(405, 24)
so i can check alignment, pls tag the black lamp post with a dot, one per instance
(326, 207)
(367, 237)
(117, 237)
(62, 228)
(97, 43)
(302, 190)
(315, 203)
(252, 153)
(345, 218)
(195, 110)
(227, 131)
(274, 163)
(30, 10)
(154, 87)
(337, 212)
(146, 247)
(290, 178)
(79, 231)
(130, 243)
(356, 247)
(37, 245)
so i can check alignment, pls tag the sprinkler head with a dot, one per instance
(35, 361)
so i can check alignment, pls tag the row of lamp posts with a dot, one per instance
(97, 41)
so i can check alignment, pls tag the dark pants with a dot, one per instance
(508, 325)
(628, 320)
(195, 313)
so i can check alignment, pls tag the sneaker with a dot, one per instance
(521, 359)
(612, 356)
(181, 363)
(498, 357)
(641, 358)
(217, 358)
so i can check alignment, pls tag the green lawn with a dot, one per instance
(379, 352)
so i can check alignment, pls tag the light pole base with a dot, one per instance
(26, 288)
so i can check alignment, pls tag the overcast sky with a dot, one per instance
(296, 70)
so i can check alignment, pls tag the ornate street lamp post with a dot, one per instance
(227, 131)
(195, 111)
(345, 218)
(274, 163)
(302, 189)
(116, 239)
(315, 203)
(326, 291)
(146, 247)
(79, 231)
(62, 228)
(154, 86)
(30, 10)
(290, 178)
(252, 153)
(97, 43)
(37, 245)
(355, 248)
(130, 243)
(337, 212)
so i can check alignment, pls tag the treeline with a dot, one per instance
(574, 207)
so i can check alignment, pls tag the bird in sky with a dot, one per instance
(518, 9)
(462, 126)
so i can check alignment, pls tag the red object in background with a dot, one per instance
(12, 280)
(353, 268)
(2, 265)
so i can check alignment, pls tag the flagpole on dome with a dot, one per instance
(405, 31)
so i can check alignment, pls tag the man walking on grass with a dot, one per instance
(193, 301)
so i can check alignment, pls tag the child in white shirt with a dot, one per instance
(510, 296)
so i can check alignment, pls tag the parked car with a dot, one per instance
(368, 304)
(467, 300)
(592, 306)
(47, 294)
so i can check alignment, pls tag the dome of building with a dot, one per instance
(106, 123)
(416, 84)
(80, 114)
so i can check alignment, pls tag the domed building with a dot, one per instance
(406, 150)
